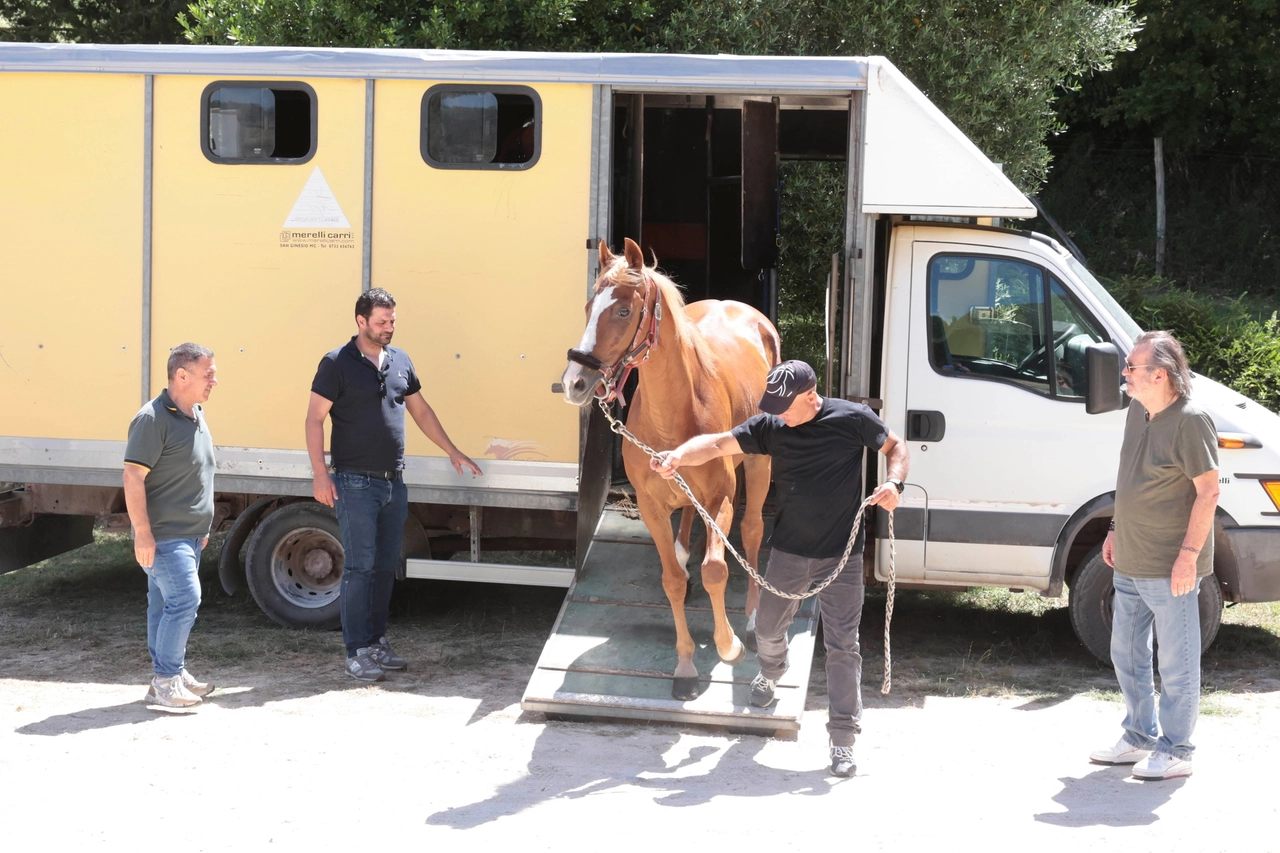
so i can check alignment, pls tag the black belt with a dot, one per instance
(373, 475)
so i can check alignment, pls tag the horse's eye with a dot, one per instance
(624, 313)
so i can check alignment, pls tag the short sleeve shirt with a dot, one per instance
(177, 452)
(1154, 490)
(368, 406)
(817, 473)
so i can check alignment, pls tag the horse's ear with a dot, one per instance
(606, 257)
(635, 257)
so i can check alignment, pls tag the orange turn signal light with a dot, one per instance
(1237, 440)
(1273, 490)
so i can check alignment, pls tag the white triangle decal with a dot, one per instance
(316, 207)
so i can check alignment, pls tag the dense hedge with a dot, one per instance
(1227, 341)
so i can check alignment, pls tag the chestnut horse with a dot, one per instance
(704, 372)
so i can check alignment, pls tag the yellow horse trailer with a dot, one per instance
(243, 197)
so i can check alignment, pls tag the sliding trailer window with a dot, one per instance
(258, 122)
(481, 127)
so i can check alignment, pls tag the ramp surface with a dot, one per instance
(612, 650)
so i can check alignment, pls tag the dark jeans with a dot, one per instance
(841, 608)
(371, 514)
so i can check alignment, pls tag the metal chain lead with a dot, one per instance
(621, 429)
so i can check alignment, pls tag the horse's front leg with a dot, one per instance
(682, 539)
(756, 471)
(675, 582)
(715, 577)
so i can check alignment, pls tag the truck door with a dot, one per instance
(1001, 447)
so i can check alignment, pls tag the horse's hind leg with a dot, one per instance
(675, 583)
(715, 577)
(756, 470)
(682, 540)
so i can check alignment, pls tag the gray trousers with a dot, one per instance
(841, 608)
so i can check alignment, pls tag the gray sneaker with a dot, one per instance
(842, 762)
(762, 691)
(384, 657)
(363, 667)
(197, 688)
(169, 693)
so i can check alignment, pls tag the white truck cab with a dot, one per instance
(997, 346)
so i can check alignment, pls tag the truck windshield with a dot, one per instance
(1108, 301)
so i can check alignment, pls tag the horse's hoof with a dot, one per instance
(749, 640)
(685, 689)
(739, 653)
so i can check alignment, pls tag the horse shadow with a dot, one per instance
(674, 774)
(1109, 796)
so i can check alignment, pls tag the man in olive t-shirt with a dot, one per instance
(168, 489)
(1160, 546)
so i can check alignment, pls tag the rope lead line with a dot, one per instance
(621, 429)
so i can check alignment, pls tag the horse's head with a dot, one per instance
(622, 324)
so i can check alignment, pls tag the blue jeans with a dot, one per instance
(1140, 605)
(371, 515)
(173, 597)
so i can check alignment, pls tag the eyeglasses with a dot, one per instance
(1131, 367)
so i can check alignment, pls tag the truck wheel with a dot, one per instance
(1092, 594)
(294, 566)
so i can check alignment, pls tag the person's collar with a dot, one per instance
(357, 353)
(166, 400)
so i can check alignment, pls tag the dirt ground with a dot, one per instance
(983, 742)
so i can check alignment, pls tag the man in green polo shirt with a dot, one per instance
(1161, 546)
(168, 489)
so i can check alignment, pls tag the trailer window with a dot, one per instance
(258, 122)
(475, 127)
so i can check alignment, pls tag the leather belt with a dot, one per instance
(373, 475)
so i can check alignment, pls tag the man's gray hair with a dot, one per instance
(184, 355)
(1166, 352)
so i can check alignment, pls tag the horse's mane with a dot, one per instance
(620, 272)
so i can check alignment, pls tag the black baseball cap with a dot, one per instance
(786, 382)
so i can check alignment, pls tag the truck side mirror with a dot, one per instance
(1102, 361)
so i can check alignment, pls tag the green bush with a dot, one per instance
(1225, 340)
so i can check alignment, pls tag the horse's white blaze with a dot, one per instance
(604, 299)
(682, 557)
(751, 620)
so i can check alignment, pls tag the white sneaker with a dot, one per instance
(1122, 753)
(197, 688)
(170, 693)
(1162, 765)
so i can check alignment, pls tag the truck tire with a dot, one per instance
(1092, 594)
(294, 566)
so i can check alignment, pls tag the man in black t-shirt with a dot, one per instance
(365, 387)
(816, 446)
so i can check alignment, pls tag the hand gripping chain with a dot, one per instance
(621, 429)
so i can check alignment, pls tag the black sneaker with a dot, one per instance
(382, 655)
(363, 667)
(842, 763)
(762, 691)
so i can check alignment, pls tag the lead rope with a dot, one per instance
(621, 429)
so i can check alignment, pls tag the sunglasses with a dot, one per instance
(382, 387)
(1131, 367)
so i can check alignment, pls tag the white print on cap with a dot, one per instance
(782, 380)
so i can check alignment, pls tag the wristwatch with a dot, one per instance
(897, 484)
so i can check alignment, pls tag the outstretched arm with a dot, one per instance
(696, 451)
(425, 417)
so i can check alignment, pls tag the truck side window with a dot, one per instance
(476, 127)
(1073, 331)
(987, 320)
(246, 122)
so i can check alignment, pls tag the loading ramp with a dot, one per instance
(612, 649)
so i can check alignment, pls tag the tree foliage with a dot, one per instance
(993, 66)
(92, 21)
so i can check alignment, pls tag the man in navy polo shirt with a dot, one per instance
(365, 387)
(816, 446)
